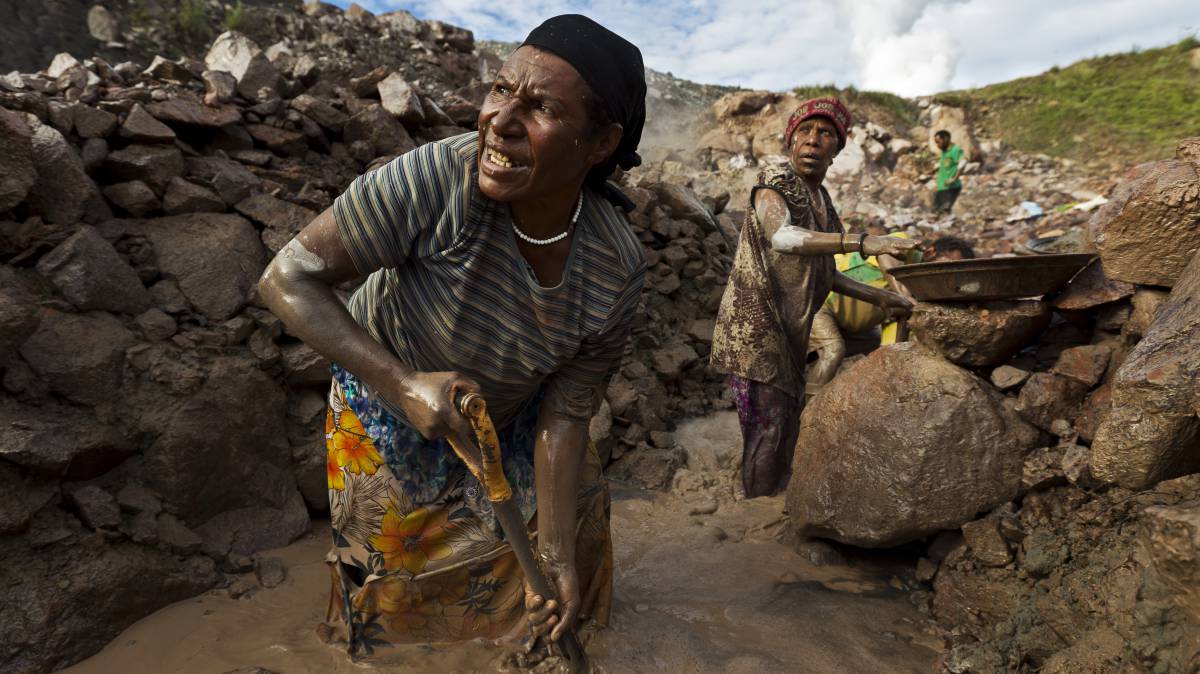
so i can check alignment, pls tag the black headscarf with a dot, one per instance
(612, 67)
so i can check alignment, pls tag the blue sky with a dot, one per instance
(909, 47)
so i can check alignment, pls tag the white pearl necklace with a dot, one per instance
(556, 238)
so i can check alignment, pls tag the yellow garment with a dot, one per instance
(854, 315)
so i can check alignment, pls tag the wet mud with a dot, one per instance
(711, 592)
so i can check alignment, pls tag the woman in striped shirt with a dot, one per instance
(495, 262)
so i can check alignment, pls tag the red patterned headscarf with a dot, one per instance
(828, 107)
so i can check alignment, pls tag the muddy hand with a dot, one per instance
(889, 245)
(427, 399)
(552, 616)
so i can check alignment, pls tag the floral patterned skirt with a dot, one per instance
(411, 570)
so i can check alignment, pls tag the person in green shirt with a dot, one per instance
(950, 165)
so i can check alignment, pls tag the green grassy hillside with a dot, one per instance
(1109, 111)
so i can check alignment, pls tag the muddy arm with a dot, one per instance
(885, 299)
(559, 446)
(298, 288)
(787, 238)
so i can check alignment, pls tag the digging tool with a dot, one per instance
(487, 466)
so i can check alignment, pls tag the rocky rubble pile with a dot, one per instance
(157, 425)
(1070, 422)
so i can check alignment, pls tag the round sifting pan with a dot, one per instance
(996, 278)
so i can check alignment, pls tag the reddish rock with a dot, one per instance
(186, 197)
(1047, 397)
(985, 542)
(979, 334)
(864, 484)
(1152, 432)
(1094, 409)
(281, 220)
(1147, 233)
(1146, 303)
(1085, 364)
(1091, 288)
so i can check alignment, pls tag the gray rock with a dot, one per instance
(80, 356)
(671, 360)
(979, 334)
(681, 202)
(161, 68)
(185, 197)
(61, 63)
(219, 87)
(141, 528)
(24, 495)
(400, 99)
(185, 108)
(154, 165)
(91, 275)
(1152, 431)
(305, 367)
(19, 317)
(321, 112)
(108, 588)
(379, 128)
(92, 153)
(96, 507)
(135, 498)
(239, 56)
(215, 259)
(1007, 376)
(281, 220)
(231, 180)
(102, 24)
(1146, 233)
(269, 571)
(176, 536)
(867, 485)
(59, 441)
(134, 197)
(94, 123)
(155, 324)
(141, 127)
(63, 192)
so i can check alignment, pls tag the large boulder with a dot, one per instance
(65, 602)
(1152, 432)
(91, 275)
(59, 441)
(1150, 229)
(17, 172)
(979, 334)
(903, 445)
(239, 56)
(80, 356)
(214, 258)
(962, 134)
(224, 447)
(63, 193)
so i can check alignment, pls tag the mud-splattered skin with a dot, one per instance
(537, 144)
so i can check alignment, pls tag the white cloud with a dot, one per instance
(908, 47)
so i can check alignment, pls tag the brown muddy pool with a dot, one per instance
(708, 593)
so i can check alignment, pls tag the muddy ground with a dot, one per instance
(712, 592)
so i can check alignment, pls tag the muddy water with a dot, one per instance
(694, 593)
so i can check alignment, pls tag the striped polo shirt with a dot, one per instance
(449, 290)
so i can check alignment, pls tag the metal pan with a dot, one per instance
(997, 278)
